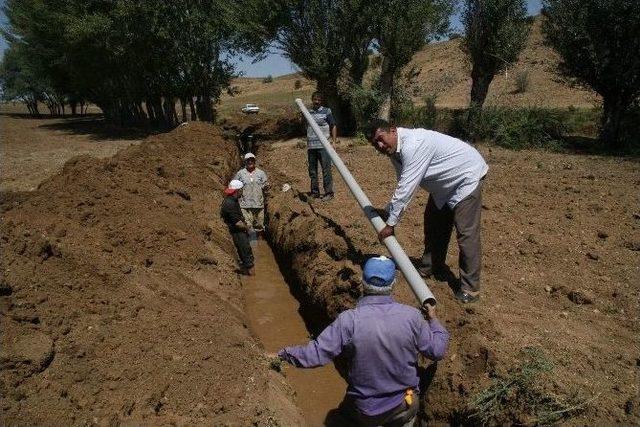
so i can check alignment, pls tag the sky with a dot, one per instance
(275, 64)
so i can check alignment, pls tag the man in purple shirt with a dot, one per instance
(381, 340)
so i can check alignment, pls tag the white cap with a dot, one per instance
(249, 156)
(236, 184)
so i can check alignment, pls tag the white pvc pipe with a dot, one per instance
(418, 285)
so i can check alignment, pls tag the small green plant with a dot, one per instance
(275, 364)
(268, 79)
(360, 139)
(517, 393)
(522, 81)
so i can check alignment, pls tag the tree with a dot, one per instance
(495, 33)
(18, 80)
(329, 41)
(599, 43)
(134, 59)
(401, 28)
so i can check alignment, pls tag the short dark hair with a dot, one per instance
(317, 93)
(375, 124)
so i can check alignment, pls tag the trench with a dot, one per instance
(276, 319)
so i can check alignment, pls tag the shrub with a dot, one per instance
(297, 85)
(522, 81)
(365, 103)
(423, 116)
(518, 395)
(268, 79)
(522, 128)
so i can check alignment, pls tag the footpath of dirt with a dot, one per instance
(119, 300)
(561, 236)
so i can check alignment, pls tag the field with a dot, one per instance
(121, 302)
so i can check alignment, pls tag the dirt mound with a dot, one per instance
(119, 300)
(557, 322)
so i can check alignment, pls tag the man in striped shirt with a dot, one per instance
(316, 152)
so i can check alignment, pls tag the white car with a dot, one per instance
(250, 109)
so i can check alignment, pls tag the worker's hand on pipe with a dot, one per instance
(385, 232)
(429, 311)
(384, 214)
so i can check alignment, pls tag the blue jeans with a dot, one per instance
(315, 156)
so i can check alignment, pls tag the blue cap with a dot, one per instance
(379, 271)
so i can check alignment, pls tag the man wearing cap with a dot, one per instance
(381, 340)
(316, 152)
(453, 172)
(232, 216)
(252, 199)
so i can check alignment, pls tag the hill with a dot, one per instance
(441, 69)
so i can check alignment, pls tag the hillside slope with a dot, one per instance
(442, 69)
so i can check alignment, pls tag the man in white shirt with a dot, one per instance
(452, 171)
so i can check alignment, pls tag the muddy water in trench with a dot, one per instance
(274, 319)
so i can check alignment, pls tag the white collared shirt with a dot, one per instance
(448, 168)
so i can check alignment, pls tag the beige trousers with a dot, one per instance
(254, 217)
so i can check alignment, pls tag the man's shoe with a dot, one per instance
(425, 272)
(439, 273)
(465, 297)
(313, 194)
(327, 197)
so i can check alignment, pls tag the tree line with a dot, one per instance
(138, 60)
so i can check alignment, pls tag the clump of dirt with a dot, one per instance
(119, 299)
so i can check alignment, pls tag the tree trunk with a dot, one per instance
(386, 89)
(480, 82)
(183, 109)
(613, 113)
(340, 107)
(194, 114)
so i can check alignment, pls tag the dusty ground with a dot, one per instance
(119, 300)
(34, 149)
(561, 236)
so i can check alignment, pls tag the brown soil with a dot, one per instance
(561, 271)
(34, 149)
(119, 300)
(276, 320)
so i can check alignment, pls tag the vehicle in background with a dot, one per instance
(250, 109)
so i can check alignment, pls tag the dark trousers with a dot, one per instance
(241, 242)
(315, 156)
(438, 224)
(400, 416)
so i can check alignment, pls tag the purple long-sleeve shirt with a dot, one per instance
(382, 339)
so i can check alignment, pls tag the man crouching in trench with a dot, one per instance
(381, 340)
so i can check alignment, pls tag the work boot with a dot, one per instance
(313, 194)
(327, 197)
(466, 297)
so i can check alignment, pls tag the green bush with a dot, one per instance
(522, 128)
(417, 117)
(268, 79)
(365, 103)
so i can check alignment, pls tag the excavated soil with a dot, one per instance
(561, 236)
(119, 300)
